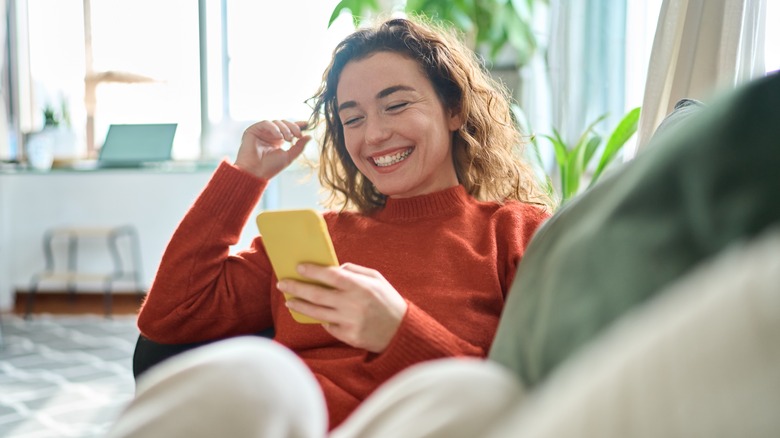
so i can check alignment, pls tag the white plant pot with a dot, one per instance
(40, 149)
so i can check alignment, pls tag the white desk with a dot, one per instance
(154, 201)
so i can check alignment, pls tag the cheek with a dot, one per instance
(352, 150)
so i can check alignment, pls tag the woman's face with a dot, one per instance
(396, 130)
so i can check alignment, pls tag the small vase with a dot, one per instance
(40, 149)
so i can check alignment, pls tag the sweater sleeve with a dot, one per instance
(420, 337)
(201, 292)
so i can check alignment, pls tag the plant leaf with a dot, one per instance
(586, 133)
(561, 153)
(571, 183)
(622, 133)
(579, 158)
(540, 171)
(356, 8)
(343, 4)
(590, 150)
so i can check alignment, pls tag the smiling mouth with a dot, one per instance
(389, 160)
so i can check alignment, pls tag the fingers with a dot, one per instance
(362, 270)
(334, 277)
(271, 132)
(262, 152)
(312, 293)
(315, 301)
(331, 282)
(326, 315)
(288, 130)
(297, 148)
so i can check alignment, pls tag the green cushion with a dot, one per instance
(712, 180)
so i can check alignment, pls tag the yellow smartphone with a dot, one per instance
(292, 237)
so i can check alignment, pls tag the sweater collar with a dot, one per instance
(429, 205)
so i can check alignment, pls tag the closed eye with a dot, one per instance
(351, 121)
(397, 106)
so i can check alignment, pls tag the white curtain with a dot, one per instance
(578, 75)
(700, 48)
(586, 59)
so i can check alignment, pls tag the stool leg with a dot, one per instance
(72, 266)
(119, 270)
(107, 299)
(31, 297)
(48, 254)
(136, 250)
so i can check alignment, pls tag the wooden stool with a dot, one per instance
(71, 276)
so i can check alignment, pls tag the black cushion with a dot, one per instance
(149, 353)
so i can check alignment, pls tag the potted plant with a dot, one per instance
(55, 141)
(573, 169)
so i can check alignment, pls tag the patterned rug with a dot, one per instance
(64, 376)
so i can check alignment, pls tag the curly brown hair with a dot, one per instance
(487, 149)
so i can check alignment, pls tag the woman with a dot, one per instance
(434, 211)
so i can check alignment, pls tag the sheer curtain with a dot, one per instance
(700, 48)
(579, 75)
(586, 59)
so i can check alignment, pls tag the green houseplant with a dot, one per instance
(573, 161)
(489, 25)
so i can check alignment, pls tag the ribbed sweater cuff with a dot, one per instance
(416, 340)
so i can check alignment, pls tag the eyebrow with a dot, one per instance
(384, 93)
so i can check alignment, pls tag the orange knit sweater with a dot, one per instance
(451, 257)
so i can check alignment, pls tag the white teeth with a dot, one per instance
(389, 160)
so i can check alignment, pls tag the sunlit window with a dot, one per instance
(141, 61)
(274, 69)
(136, 63)
(273, 55)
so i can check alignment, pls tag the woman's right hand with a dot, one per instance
(261, 152)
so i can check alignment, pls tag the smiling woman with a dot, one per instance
(420, 146)
(396, 131)
(485, 143)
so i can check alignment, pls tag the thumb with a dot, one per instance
(297, 148)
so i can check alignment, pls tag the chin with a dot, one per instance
(390, 191)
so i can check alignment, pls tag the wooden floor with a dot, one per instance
(80, 303)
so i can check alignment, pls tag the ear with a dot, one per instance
(456, 120)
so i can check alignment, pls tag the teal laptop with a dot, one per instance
(137, 145)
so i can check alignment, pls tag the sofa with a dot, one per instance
(650, 304)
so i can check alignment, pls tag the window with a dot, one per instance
(273, 55)
(262, 60)
(139, 58)
(142, 62)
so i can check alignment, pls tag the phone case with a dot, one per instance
(292, 237)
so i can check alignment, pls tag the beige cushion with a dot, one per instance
(700, 360)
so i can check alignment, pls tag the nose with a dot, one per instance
(377, 130)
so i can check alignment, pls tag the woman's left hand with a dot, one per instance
(359, 308)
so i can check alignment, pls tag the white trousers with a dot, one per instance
(702, 360)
